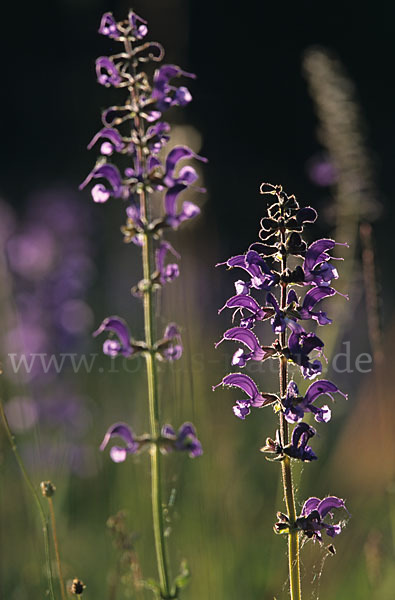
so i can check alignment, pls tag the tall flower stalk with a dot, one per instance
(270, 265)
(136, 132)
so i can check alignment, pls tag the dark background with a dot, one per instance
(251, 101)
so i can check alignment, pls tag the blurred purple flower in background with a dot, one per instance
(49, 254)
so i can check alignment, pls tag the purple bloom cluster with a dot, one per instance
(311, 520)
(185, 440)
(135, 136)
(268, 266)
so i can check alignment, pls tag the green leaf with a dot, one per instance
(152, 585)
(183, 577)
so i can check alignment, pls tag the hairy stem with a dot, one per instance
(36, 498)
(56, 545)
(156, 491)
(289, 496)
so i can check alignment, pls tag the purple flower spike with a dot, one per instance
(169, 272)
(185, 440)
(296, 406)
(107, 73)
(188, 210)
(300, 344)
(242, 408)
(314, 511)
(249, 339)
(117, 453)
(113, 347)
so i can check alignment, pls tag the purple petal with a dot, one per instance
(310, 505)
(332, 530)
(100, 194)
(273, 301)
(189, 209)
(171, 199)
(253, 259)
(242, 409)
(313, 296)
(248, 338)
(242, 381)
(317, 252)
(109, 172)
(321, 387)
(118, 454)
(160, 254)
(292, 390)
(292, 297)
(302, 432)
(187, 440)
(179, 153)
(321, 415)
(139, 25)
(328, 504)
(167, 431)
(123, 431)
(242, 301)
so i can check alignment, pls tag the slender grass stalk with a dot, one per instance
(56, 546)
(36, 498)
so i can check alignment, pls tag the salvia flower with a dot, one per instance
(121, 344)
(245, 302)
(165, 273)
(123, 431)
(298, 447)
(311, 520)
(249, 339)
(185, 440)
(300, 344)
(316, 267)
(242, 408)
(170, 346)
(295, 406)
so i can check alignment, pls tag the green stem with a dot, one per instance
(289, 496)
(35, 497)
(156, 491)
(149, 329)
(56, 546)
